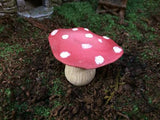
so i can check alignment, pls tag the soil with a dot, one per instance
(127, 89)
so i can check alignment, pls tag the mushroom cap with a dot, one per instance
(82, 48)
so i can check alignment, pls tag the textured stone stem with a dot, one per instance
(79, 76)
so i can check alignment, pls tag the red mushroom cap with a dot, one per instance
(82, 48)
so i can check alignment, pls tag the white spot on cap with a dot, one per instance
(89, 35)
(86, 29)
(65, 36)
(117, 49)
(65, 54)
(99, 59)
(86, 46)
(54, 32)
(105, 37)
(100, 40)
(75, 29)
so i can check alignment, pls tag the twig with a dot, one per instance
(37, 24)
(112, 5)
(123, 115)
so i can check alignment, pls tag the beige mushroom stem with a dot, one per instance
(79, 76)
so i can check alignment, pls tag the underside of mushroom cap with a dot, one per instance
(82, 48)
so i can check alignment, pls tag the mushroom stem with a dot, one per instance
(79, 76)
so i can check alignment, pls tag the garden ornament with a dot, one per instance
(82, 51)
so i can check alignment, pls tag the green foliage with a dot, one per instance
(27, 30)
(21, 20)
(1, 28)
(7, 50)
(136, 14)
(42, 111)
(136, 112)
(75, 12)
(8, 92)
(20, 107)
(83, 14)
(56, 88)
(149, 54)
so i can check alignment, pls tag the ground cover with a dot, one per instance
(32, 82)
